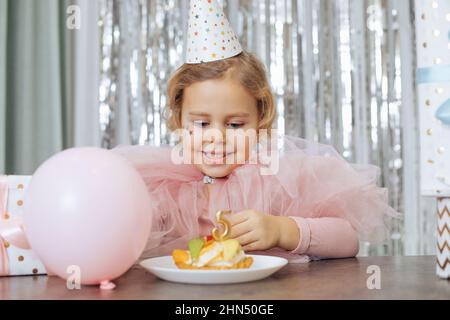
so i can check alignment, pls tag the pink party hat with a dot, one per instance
(210, 36)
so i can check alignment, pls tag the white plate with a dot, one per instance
(262, 267)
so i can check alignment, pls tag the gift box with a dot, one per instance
(16, 256)
(433, 83)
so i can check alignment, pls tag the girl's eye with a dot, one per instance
(201, 123)
(235, 125)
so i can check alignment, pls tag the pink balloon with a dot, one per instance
(87, 209)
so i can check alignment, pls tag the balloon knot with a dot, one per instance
(107, 285)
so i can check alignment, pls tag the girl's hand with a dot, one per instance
(254, 230)
(258, 231)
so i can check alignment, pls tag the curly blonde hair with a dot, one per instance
(246, 68)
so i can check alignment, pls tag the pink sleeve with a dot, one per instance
(326, 237)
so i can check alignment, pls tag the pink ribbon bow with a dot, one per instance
(11, 229)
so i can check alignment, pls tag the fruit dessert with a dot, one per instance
(206, 253)
(214, 252)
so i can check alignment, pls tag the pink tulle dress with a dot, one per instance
(334, 203)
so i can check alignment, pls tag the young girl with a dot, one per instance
(314, 204)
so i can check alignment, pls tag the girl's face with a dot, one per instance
(214, 111)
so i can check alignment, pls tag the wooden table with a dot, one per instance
(401, 278)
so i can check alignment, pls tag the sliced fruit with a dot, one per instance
(195, 246)
(230, 248)
(180, 256)
(211, 253)
(208, 241)
(208, 247)
(217, 258)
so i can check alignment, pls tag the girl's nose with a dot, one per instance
(215, 133)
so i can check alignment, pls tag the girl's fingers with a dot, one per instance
(253, 246)
(239, 230)
(236, 218)
(247, 238)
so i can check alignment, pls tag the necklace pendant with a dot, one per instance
(208, 180)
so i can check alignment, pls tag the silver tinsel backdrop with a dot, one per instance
(342, 72)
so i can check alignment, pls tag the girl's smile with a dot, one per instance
(216, 157)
